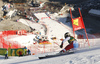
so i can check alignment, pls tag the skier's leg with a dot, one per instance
(6, 56)
(75, 46)
(70, 46)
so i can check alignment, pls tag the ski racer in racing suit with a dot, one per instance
(73, 44)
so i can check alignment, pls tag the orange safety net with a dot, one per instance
(10, 32)
(6, 44)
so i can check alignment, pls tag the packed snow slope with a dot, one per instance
(55, 29)
(84, 56)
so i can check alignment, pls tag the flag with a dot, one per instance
(77, 23)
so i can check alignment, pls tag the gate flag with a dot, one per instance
(77, 24)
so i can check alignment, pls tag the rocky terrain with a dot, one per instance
(91, 22)
(11, 24)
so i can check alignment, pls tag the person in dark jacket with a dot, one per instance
(29, 52)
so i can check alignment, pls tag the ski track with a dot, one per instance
(82, 56)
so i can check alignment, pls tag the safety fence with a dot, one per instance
(37, 48)
(83, 42)
(4, 43)
(43, 48)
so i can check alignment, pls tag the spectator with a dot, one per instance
(20, 53)
(4, 14)
(6, 54)
(29, 52)
(25, 49)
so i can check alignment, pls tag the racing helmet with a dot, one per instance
(66, 34)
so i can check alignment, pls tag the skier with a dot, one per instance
(73, 44)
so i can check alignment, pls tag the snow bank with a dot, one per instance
(95, 12)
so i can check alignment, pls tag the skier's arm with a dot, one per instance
(64, 41)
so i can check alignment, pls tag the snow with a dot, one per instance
(31, 24)
(11, 13)
(87, 55)
(23, 39)
(95, 12)
(52, 25)
(84, 56)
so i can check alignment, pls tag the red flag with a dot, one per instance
(77, 23)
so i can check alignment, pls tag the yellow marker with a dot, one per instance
(75, 22)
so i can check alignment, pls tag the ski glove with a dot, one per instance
(61, 45)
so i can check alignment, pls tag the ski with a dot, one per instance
(55, 55)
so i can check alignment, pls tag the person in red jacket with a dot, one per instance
(73, 44)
